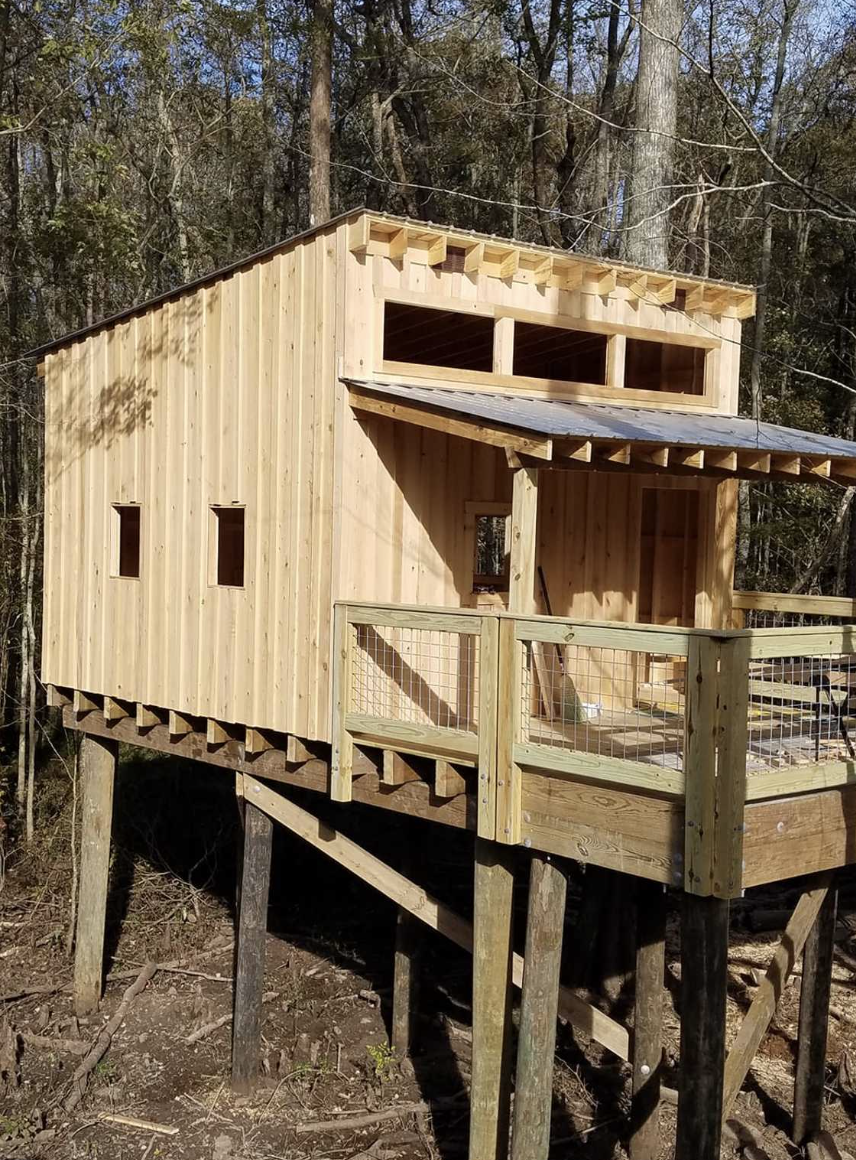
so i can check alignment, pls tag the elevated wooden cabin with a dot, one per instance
(445, 523)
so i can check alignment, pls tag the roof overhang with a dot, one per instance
(609, 437)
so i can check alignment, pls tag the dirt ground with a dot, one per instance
(326, 1060)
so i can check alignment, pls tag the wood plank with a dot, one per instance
(536, 1042)
(250, 956)
(115, 710)
(789, 780)
(810, 1077)
(583, 1016)
(146, 717)
(448, 781)
(842, 606)
(256, 741)
(700, 763)
(763, 1007)
(98, 765)
(730, 786)
(83, 703)
(488, 727)
(490, 1089)
(704, 976)
(405, 984)
(616, 771)
(179, 724)
(342, 756)
(648, 1021)
(398, 769)
(430, 740)
(467, 622)
(215, 733)
(465, 428)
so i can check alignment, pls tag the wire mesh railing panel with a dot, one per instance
(608, 702)
(758, 618)
(801, 710)
(419, 676)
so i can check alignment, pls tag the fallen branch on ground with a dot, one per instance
(216, 1024)
(54, 1043)
(145, 1125)
(81, 1076)
(352, 1123)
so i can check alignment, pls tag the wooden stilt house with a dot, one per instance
(444, 523)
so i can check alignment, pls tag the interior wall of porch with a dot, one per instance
(404, 536)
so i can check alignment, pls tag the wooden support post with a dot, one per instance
(250, 958)
(524, 540)
(704, 974)
(536, 1045)
(490, 1095)
(814, 1018)
(98, 762)
(763, 1006)
(648, 1020)
(405, 983)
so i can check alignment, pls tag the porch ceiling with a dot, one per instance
(606, 436)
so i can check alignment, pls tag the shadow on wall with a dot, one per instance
(108, 384)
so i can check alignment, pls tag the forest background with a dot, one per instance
(144, 143)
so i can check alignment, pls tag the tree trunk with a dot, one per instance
(319, 111)
(647, 239)
(766, 261)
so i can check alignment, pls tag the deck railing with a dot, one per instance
(547, 708)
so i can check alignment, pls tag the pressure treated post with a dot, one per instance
(648, 1020)
(813, 1024)
(490, 1095)
(98, 762)
(536, 1044)
(704, 974)
(250, 958)
(405, 983)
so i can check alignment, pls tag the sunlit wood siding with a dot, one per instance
(223, 396)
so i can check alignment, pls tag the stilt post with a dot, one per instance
(98, 763)
(648, 1020)
(490, 1095)
(536, 1044)
(813, 1023)
(704, 975)
(405, 983)
(250, 959)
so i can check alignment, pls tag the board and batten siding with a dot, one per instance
(223, 396)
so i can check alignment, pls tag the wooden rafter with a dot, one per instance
(374, 234)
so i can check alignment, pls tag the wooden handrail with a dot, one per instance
(841, 606)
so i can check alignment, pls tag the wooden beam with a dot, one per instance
(579, 449)
(648, 1020)
(463, 427)
(179, 724)
(398, 245)
(605, 282)
(786, 464)
(572, 276)
(298, 751)
(763, 1007)
(524, 541)
(448, 782)
(704, 976)
(398, 769)
(542, 272)
(145, 717)
(721, 460)
(255, 741)
(437, 250)
(613, 452)
(665, 291)
(57, 698)
(536, 1042)
(581, 1015)
(250, 957)
(509, 263)
(358, 234)
(474, 258)
(815, 465)
(114, 710)
(215, 734)
(405, 980)
(654, 456)
(490, 1088)
(83, 703)
(754, 461)
(810, 1079)
(98, 763)
(687, 457)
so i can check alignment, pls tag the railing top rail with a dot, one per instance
(656, 638)
(794, 602)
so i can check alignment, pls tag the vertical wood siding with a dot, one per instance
(223, 396)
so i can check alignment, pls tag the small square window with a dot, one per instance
(126, 540)
(490, 568)
(228, 528)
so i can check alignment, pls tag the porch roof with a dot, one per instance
(610, 436)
